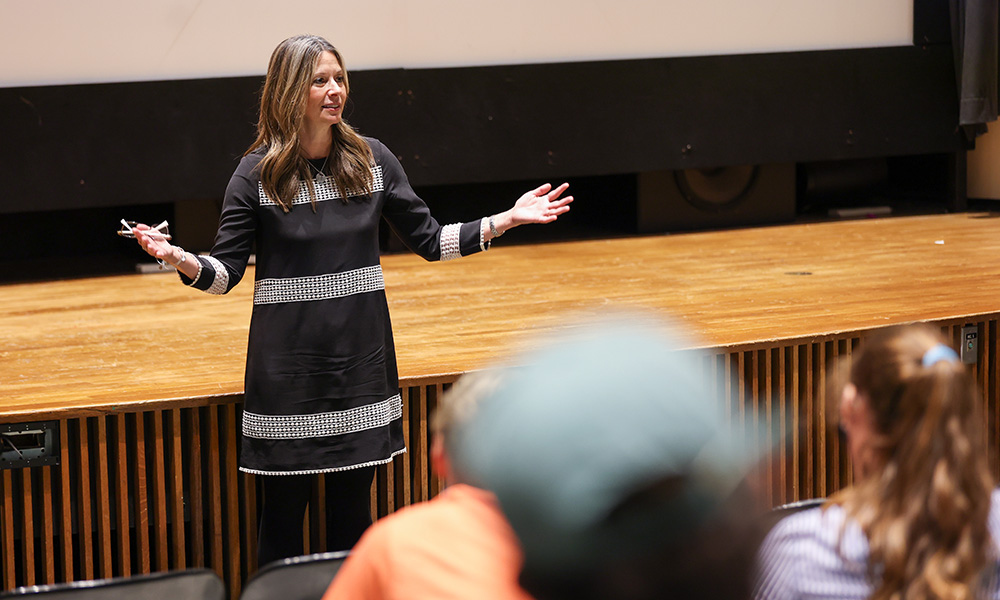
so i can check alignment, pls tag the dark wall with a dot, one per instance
(113, 144)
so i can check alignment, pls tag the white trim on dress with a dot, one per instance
(319, 287)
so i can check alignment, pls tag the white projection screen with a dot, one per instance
(57, 42)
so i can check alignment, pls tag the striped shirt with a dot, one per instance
(804, 556)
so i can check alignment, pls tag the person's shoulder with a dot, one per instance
(379, 150)
(818, 529)
(817, 546)
(805, 523)
(247, 167)
(252, 159)
(993, 519)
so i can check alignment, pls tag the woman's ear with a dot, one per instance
(439, 459)
(849, 406)
(858, 424)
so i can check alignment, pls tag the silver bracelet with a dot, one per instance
(493, 228)
(184, 257)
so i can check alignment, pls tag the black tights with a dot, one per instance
(348, 511)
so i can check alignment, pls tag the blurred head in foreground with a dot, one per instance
(609, 455)
(913, 420)
(456, 408)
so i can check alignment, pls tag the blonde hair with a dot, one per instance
(925, 509)
(282, 110)
(460, 402)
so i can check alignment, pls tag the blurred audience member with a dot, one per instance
(921, 518)
(457, 545)
(609, 456)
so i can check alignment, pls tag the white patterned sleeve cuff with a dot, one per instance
(451, 241)
(483, 224)
(220, 285)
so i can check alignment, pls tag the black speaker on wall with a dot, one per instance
(729, 196)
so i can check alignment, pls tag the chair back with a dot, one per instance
(190, 584)
(297, 578)
(771, 517)
(784, 510)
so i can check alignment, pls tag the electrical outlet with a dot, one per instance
(970, 344)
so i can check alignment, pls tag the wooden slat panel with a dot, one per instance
(808, 422)
(248, 490)
(385, 479)
(376, 491)
(121, 471)
(991, 401)
(27, 528)
(175, 494)
(984, 375)
(140, 500)
(158, 492)
(767, 400)
(400, 481)
(720, 372)
(65, 502)
(419, 448)
(410, 396)
(307, 530)
(232, 499)
(196, 502)
(48, 527)
(741, 390)
(102, 499)
(393, 502)
(7, 526)
(316, 517)
(795, 420)
(213, 457)
(819, 366)
(781, 434)
(830, 421)
(85, 524)
(753, 426)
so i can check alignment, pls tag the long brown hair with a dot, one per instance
(282, 110)
(924, 510)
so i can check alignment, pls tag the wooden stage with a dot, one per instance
(144, 376)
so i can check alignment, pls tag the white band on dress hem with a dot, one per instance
(370, 463)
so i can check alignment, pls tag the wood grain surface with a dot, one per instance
(94, 346)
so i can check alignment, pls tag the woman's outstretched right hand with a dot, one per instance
(155, 244)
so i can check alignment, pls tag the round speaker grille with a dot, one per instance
(716, 189)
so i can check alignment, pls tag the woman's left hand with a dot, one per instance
(540, 205)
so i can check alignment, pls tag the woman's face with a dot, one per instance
(327, 94)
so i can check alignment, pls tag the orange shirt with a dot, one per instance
(457, 545)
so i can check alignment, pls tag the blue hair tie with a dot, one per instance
(937, 353)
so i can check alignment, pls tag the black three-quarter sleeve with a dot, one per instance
(410, 218)
(223, 268)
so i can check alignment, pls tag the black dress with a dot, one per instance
(322, 390)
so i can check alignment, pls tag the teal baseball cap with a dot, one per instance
(590, 420)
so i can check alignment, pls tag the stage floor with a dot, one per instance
(92, 346)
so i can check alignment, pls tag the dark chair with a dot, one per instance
(784, 510)
(296, 578)
(771, 517)
(190, 584)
